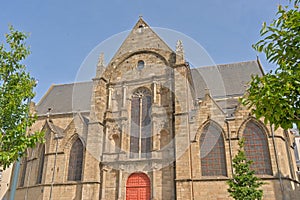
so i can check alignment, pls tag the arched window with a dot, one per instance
(23, 172)
(141, 126)
(41, 165)
(75, 161)
(212, 151)
(256, 148)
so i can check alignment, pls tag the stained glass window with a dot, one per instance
(23, 172)
(41, 165)
(141, 126)
(75, 161)
(212, 151)
(256, 148)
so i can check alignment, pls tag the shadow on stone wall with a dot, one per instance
(286, 188)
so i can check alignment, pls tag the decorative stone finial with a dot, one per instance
(100, 66)
(207, 90)
(179, 47)
(179, 52)
(101, 59)
(49, 112)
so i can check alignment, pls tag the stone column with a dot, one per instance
(154, 92)
(103, 183)
(110, 90)
(124, 96)
(120, 184)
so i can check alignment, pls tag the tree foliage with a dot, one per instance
(244, 185)
(16, 91)
(276, 95)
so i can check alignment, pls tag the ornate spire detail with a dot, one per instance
(100, 65)
(179, 52)
(101, 59)
(179, 47)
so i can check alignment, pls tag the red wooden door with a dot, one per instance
(138, 187)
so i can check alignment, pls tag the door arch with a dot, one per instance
(138, 187)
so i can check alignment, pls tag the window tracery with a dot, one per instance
(141, 126)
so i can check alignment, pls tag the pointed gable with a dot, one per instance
(49, 127)
(141, 37)
(78, 124)
(210, 106)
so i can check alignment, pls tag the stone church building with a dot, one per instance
(149, 126)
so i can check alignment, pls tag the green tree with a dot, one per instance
(276, 95)
(244, 185)
(16, 91)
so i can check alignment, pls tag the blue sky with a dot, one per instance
(63, 32)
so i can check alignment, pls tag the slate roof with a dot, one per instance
(226, 80)
(223, 81)
(66, 98)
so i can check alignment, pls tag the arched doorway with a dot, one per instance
(138, 187)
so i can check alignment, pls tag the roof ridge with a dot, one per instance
(72, 83)
(237, 62)
(225, 64)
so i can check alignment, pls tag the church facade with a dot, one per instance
(149, 126)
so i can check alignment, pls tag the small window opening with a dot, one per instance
(140, 64)
(140, 29)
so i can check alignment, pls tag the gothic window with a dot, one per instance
(212, 151)
(23, 172)
(256, 148)
(41, 165)
(141, 126)
(75, 161)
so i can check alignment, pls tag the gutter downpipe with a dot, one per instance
(15, 179)
(277, 164)
(230, 148)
